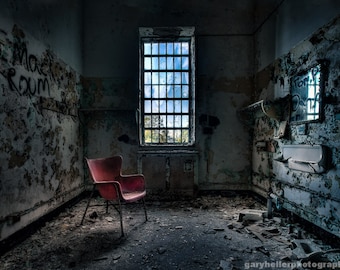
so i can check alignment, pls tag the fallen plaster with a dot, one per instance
(201, 233)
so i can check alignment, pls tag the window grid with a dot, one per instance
(166, 95)
(313, 94)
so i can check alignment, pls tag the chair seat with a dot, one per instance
(115, 187)
(133, 196)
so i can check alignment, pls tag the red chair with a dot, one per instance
(115, 187)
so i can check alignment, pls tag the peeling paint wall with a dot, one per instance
(224, 69)
(312, 196)
(41, 163)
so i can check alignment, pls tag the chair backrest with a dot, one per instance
(106, 169)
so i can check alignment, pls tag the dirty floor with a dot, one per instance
(208, 232)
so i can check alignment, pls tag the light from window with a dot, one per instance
(166, 99)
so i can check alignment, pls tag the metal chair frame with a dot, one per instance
(118, 185)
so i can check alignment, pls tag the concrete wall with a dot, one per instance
(41, 153)
(291, 22)
(224, 68)
(47, 45)
(312, 196)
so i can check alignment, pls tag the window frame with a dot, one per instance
(160, 35)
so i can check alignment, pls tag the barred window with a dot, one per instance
(167, 91)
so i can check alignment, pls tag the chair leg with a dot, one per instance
(88, 204)
(121, 217)
(146, 215)
(120, 211)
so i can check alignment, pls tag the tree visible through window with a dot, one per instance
(167, 103)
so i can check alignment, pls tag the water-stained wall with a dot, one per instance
(108, 114)
(313, 196)
(224, 69)
(41, 155)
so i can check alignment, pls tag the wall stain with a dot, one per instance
(320, 187)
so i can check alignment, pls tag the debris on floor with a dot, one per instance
(208, 232)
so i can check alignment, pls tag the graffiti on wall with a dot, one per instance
(30, 75)
(306, 89)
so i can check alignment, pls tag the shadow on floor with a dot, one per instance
(202, 233)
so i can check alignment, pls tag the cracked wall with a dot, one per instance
(312, 196)
(40, 140)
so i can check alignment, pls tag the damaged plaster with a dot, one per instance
(41, 147)
(315, 197)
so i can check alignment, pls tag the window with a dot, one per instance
(167, 88)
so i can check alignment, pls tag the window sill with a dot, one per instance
(167, 150)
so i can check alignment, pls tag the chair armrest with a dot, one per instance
(116, 184)
(109, 190)
(105, 182)
(132, 182)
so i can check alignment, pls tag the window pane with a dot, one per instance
(147, 63)
(162, 63)
(185, 136)
(178, 121)
(155, 91)
(163, 136)
(170, 121)
(170, 48)
(178, 135)
(162, 48)
(147, 135)
(162, 78)
(155, 78)
(147, 106)
(177, 63)
(147, 77)
(170, 92)
(154, 48)
(170, 62)
(178, 77)
(162, 91)
(154, 62)
(169, 77)
(185, 47)
(155, 136)
(147, 91)
(177, 48)
(177, 106)
(147, 48)
(170, 106)
(185, 91)
(185, 121)
(155, 106)
(185, 77)
(171, 137)
(147, 121)
(185, 62)
(162, 106)
(178, 91)
(185, 106)
(162, 119)
(155, 121)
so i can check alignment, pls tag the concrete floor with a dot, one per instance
(203, 233)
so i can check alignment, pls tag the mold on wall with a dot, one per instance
(313, 196)
(224, 83)
(108, 116)
(223, 86)
(40, 140)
